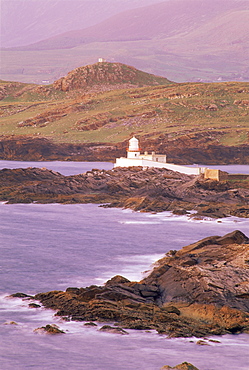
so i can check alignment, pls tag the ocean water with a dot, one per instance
(65, 168)
(52, 247)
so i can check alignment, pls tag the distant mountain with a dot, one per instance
(27, 21)
(183, 40)
(160, 21)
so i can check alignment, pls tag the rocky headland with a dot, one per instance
(149, 190)
(200, 290)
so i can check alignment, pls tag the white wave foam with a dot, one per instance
(149, 258)
(139, 222)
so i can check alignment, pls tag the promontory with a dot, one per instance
(200, 290)
(150, 190)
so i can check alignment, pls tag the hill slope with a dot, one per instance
(106, 74)
(92, 112)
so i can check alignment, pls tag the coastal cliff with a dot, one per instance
(199, 290)
(150, 190)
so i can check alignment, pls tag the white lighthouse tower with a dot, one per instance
(133, 151)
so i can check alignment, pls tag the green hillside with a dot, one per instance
(187, 114)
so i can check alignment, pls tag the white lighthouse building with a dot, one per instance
(135, 158)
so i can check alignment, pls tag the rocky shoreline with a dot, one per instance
(149, 190)
(193, 148)
(200, 290)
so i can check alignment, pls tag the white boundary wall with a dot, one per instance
(127, 162)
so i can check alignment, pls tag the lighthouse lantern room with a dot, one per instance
(133, 151)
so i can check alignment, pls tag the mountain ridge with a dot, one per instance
(143, 23)
(39, 19)
(207, 41)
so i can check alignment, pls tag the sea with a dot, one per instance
(53, 246)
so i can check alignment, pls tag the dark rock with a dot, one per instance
(49, 329)
(171, 309)
(202, 343)
(117, 280)
(234, 237)
(119, 294)
(73, 290)
(34, 305)
(21, 295)
(113, 330)
(90, 324)
(179, 212)
(183, 366)
(10, 323)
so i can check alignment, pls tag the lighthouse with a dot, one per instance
(134, 158)
(133, 151)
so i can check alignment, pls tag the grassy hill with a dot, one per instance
(188, 121)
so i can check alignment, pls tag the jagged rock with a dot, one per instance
(10, 323)
(117, 280)
(199, 290)
(73, 290)
(90, 324)
(21, 295)
(212, 271)
(34, 305)
(113, 330)
(49, 329)
(235, 237)
(183, 366)
(202, 343)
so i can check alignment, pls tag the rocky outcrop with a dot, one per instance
(49, 329)
(113, 330)
(150, 190)
(199, 290)
(214, 270)
(183, 366)
(108, 74)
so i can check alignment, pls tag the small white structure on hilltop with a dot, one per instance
(134, 158)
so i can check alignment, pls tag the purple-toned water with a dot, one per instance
(48, 247)
(65, 168)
